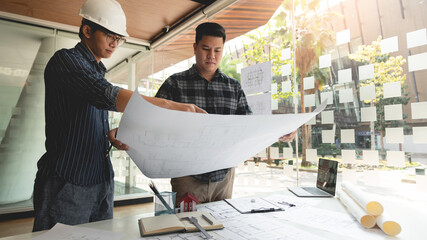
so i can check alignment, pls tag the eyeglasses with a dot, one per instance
(114, 38)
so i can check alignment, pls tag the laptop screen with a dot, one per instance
(327, 175)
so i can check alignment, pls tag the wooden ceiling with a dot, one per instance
(147, 18)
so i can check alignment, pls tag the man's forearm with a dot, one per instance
(125, 95)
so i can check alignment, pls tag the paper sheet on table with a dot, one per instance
(165, 143)
(65, 232)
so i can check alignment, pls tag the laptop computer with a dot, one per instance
(326, 181)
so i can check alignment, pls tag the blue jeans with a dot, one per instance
(56, 200)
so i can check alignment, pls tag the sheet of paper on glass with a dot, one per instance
(165, 143)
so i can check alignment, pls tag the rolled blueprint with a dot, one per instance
(364, 200)
(388, 226)
(368, 221)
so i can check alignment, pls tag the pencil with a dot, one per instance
(153, 187)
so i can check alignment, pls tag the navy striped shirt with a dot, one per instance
(76, 99)
(222, 95)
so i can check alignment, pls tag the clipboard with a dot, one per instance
(253, 205)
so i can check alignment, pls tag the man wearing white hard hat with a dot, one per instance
(74, 182)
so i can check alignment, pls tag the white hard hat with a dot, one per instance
(107, 13)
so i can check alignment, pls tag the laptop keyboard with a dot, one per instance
(315, 191)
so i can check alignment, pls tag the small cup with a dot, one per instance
(159, 207)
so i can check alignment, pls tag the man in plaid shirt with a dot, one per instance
(208, 88)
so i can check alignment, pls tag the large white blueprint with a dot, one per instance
(165, 143)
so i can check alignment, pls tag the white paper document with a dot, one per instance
(256, 78)
(65, 232)
(260, 103)
(165, 143)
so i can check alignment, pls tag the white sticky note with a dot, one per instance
(309, 100)
(419, 110)
(344, 76)
(274, 152)
(311, 155)
(419, 134)
(311, 121)
(368, 114)
(328, 136)
(393, 112)
(286, 86)
(389, 45)
(274, 104)
(347, 136)
(392, 89)
(367, 92)
(366, 72)
(348, 156)
(417, 62)
(416, 38)
(370, 157)
(286, 69)
(286, 54)
(327, 95)
(239, 67)
(343, 37)
(349, 175)
(308, 83)
(325, 61)
(274, 88)
(327, 117)
(287, 152)
(396, 159)
(346, 95)
(394, 135)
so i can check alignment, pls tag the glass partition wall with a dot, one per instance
(366, 58)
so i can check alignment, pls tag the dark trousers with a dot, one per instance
(58, 201)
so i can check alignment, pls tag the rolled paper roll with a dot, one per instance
(388, 226)
(363, 199)
(368, 221)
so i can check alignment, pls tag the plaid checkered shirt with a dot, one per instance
(222, 95)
